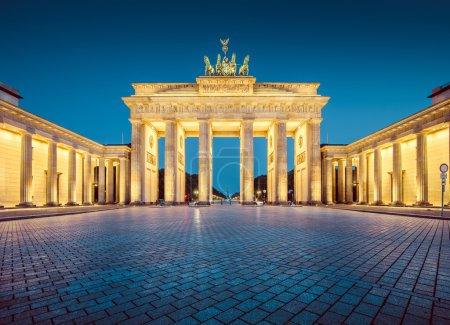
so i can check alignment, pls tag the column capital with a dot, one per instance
(27, 131)
(135, 121)
(315, 120)
(419, 130)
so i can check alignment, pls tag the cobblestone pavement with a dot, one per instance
(26, 213)
(431, 212)
(225, 264)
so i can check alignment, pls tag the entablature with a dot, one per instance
(18, 120)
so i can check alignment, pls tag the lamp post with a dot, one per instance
(264, 199)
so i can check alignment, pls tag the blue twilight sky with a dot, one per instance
(378, 60)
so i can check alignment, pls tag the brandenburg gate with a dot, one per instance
(223, 103)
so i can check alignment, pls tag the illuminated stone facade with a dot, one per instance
(398, 165)
(42, 163)
(232, 106)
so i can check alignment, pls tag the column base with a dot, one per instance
(26, 205)
(137, 203)
(283, 203)
(349, 202)
(87, 203)
(362, 203)
(315, 203)
(422, 204)
(378, 203)
(1, 207)
(248, 203)
(72, 204)
(52, 204)
(204, 203)
(328, 202)
(397, 204)
(173, 203)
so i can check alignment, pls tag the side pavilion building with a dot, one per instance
(397, 165)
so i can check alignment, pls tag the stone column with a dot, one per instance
(72, 178)
(128, 180)
(271, 195)
(26, 174)
(145, 187)
(362, 179)
(87, 200)
(170, 162)
(247, 162)
(52, 175)
(136, 162)
(281, 163)
(122, 182)
(334, 177)
(397, 188)
(110, 171)
(341, 181)
(377, 177)
(204, 162)
(315, 160)
(422, 170)
(210, 166)
(101, 181)
(349, 181)
(328, 181)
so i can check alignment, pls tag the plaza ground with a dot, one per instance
(225, 264)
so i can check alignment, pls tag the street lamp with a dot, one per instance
(196, 194)
(264, 199)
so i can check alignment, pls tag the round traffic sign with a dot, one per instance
(443, 168)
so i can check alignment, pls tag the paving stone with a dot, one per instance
(279, 317)
(255, 316)
(305, 317)
(358, 319)
(229, 315)
(207, 313)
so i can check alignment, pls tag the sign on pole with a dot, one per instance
(443, 168)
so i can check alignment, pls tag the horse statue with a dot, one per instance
(233, 64)
(209, 70)
(244, 69)
(219, 65)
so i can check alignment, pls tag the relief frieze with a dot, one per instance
(186, 108)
